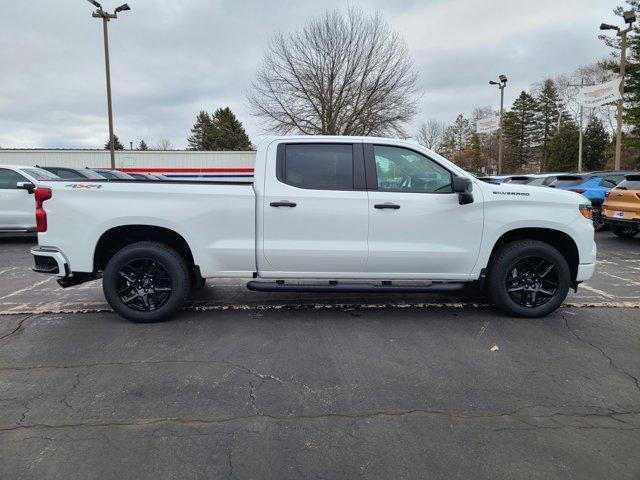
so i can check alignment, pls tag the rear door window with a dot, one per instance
(318, 166)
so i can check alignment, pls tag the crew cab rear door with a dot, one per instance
(417, 227)
(315, 210)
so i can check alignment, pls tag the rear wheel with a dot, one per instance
(146, 282)
(625, 231)
(528, 278)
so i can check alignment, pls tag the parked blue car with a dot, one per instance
(594, 186)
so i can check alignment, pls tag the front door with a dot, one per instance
(417, 228)
(315, 211)
(17, 206)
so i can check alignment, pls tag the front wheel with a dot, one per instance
(625, 231)
(528, 278)
(146, 282)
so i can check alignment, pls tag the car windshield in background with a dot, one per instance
(631, 183)
(113, 174)
(92, 175)
(39, 174)
(568, 181)
(519, 180)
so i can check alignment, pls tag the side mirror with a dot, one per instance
(463, 187)
(28, 186)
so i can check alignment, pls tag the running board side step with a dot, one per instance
(353, 287)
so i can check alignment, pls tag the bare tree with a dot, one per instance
(430, 134)
(163, 144)
(342, 74)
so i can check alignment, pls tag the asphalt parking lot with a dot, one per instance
(246, 385)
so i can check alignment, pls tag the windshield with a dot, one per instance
(568, 181)
(519, 180)
(39, 174)
(91, 174)
(631, 183)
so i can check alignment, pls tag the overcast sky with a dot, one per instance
(172, 58)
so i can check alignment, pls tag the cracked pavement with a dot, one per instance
(361, 391)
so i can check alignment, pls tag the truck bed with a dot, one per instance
(215, 218)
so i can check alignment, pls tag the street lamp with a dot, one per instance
(501, 84)
(629, 17)
(106, 17)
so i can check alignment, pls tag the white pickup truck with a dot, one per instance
(323, 214)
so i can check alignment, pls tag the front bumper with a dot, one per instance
(51, 261)
(585, 271)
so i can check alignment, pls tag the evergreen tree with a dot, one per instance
(563, 149)
(228, 132)
(595, 142)
(520, 132)
(143, 145)
(202, 133)
(116, 144)
(549, 114)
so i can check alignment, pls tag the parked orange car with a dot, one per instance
(621, 208)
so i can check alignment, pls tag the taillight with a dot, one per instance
(577, 190)
(41, 195)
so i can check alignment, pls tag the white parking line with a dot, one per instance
(632, 282)
(26, 289)
(595, 290)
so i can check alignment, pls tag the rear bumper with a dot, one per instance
(622, 222)
(51, 261)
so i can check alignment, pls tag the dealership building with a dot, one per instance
(178, 164)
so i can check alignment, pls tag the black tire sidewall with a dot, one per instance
(619, 231)
(499, 269)
(175, 267)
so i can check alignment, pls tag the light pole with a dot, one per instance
(106, 17)
(629, 17)
(501, 84)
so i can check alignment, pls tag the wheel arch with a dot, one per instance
(119, 237)
(559, 240)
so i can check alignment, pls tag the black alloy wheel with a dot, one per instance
(144, 284)
(146, 281)
(532, 281)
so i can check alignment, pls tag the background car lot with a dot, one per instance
(378, 387)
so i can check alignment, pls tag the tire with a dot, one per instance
(624, 231)
(152, 277)
(509, 266)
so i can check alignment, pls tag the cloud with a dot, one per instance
(171, 59)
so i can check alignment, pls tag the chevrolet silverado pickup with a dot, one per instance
(323, 214)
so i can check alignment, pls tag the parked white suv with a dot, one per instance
(16, 201)
(323, 214)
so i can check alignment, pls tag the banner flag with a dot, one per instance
(488, 124)
(598, 95)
